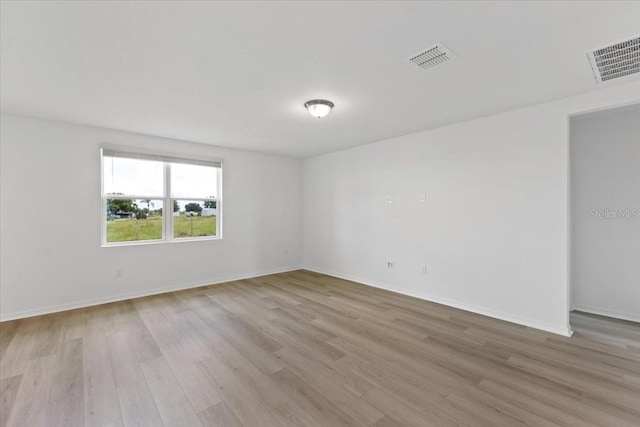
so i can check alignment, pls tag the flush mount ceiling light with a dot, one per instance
(319, 107)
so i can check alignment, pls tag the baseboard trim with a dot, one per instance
(606, 312)
(139, 294)
(567, 332)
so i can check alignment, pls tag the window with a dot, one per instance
(155, 198)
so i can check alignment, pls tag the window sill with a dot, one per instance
(159, 242)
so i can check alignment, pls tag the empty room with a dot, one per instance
(320, 213)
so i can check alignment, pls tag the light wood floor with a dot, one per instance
(306, 349)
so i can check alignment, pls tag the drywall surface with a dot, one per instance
(492, 232)
(605, 212)
(51, 255)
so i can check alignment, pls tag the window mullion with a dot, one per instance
(103, 204)
(168, 220)
(219, 203)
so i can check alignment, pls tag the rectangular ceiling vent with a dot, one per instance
(433, 56)
(615, 61)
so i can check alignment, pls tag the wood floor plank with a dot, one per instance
(219, 415)
(261, 358)
(66, 400)
(387, 421)
(142, 340)
(7, 332)
(259, 383)
(541, 389)
(472, 402)
(47, 336)
(31, 402)
(177, 351)
(8, 390)
(292, 414)
(124, 362)
(199, 390)
(18, 353)
(625, 397)
(258, 338)
(312, 402)
(170, 399)
(68, 374)
(330, 383)
(74, 323)
(415, 392)
(186, 328)
(305, 349)
(238, 397)
(314, 342)
(548, 410)
(66, 411)
(398, 410)
(137, 404)
(101, 404)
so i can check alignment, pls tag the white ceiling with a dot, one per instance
(238, 74)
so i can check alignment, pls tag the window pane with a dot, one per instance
(194, 218)
(193, 181)
(133, 220)
(133, 177)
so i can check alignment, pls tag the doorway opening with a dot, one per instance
(604, 227)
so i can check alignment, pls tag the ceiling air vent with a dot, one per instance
(433, 56)
(615, 61)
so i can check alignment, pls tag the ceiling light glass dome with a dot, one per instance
(319, 107)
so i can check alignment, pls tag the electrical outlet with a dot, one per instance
(424, 269)
(119, 273)
(390, 199)
(422, 198)
(390, 265)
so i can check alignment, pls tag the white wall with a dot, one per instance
(51, 256)
(605, 212)
(494, 230)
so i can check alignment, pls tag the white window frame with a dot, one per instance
(167, 199)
